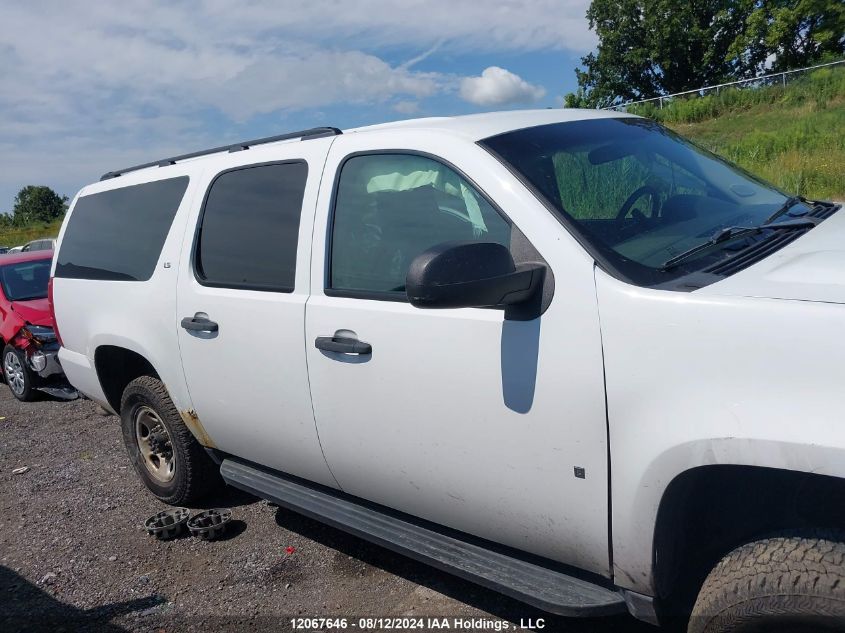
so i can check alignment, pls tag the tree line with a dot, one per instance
(34, 204)
(649, 48)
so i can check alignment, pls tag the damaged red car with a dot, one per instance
(27, 328)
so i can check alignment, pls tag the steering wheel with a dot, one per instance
(639, 193)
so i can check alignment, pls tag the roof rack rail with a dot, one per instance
(315, 132)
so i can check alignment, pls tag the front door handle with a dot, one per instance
(199, 323)
(343, 345)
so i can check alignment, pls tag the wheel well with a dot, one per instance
(708, 511)
(116, 368)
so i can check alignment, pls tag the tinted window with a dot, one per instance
(392, 207)
(639, 193)
(26, 280)
(118, 234)
(250, 228)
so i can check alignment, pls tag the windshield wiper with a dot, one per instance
(732, 232)
(785, 207)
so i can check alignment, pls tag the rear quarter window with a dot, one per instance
(118, 235)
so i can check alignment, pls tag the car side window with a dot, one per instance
(249, 227)
(389, 208)
(118, 235)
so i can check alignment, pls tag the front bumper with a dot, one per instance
(44, 361)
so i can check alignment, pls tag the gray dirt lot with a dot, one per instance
(73, 554)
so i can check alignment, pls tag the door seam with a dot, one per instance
(305, 314)
(607, 430)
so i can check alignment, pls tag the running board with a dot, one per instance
(542, 587)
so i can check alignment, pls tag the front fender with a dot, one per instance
(10, 326)
(635, 519)
(697, 380)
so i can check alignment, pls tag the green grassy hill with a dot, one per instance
(792, 136)
(19, 235)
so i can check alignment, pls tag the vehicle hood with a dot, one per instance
(35, 311)
(812, 268)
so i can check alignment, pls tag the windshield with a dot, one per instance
(26, 280)
(636, 192)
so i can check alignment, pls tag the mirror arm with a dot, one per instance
(527, 279)
(527, 304)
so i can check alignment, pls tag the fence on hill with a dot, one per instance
(762, 80)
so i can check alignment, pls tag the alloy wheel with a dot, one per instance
(14, 372)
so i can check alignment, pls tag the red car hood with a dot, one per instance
(35, 311)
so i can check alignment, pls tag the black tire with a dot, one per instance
(194, 474)
(783, 584)
(28, 392)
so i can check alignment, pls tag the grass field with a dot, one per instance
(792, 136)
(17, 236)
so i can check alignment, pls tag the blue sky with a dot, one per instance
(86, 87)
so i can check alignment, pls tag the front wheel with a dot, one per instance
(19, 377)
(167, 457)
(788, 584)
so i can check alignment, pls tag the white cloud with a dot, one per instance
(250, 59)
(463, 25)
(84, 84)
(497, 86)
(291, 82)
(406, 107)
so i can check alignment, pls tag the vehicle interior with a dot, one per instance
(634, 188)
(394, 207)
(645, 205)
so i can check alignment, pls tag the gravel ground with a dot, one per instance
(74, 556)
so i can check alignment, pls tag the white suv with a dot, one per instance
(565, 354)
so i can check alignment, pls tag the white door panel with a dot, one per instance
(459, 416)
(248, 381)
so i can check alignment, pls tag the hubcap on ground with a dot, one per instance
(154, 444)
(13, 370)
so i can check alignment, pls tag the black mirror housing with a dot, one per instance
(470, 274)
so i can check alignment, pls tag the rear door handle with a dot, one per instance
(343, 345)
(198, 323)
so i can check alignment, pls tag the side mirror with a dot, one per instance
(471, 275)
